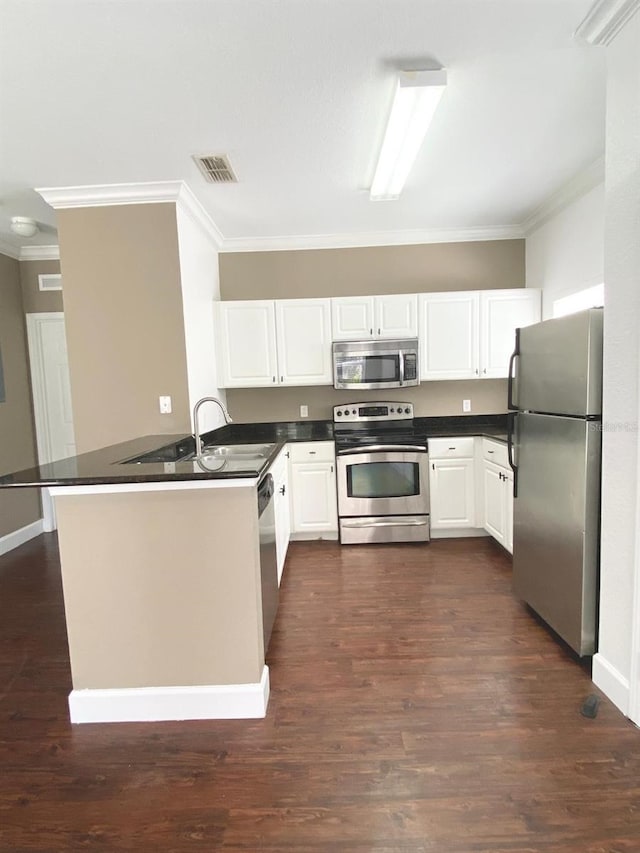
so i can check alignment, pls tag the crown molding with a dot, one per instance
(364, 240)
(605, 19)
(188, 202)
(9, 250)
(579, 185)
(40, 253)
(106, 195)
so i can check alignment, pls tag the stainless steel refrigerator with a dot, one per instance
(555, 392)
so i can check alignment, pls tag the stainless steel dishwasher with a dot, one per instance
(268, 561)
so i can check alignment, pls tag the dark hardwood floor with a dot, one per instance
(415, 706)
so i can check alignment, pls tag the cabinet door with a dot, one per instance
(304, 341)
(313, 497)
(507, 483)
(448, 335)
(501, 313)
(352, 318)
(396, 316)
(494, 504)
(246, 344)
(280, 471)
(452, 489)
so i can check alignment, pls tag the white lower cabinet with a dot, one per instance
(314, 511)
(452, 493)
(452, 484)
(498, 493)
(280, 473)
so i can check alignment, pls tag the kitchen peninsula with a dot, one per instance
(161, 571)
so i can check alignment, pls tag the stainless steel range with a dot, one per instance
(383, 474)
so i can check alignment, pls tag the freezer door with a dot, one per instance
(557, 522)
(559, 365)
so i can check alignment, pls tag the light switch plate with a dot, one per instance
(304, 411)
(466, 405)
(165, 405)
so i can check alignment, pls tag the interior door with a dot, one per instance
(51, 394)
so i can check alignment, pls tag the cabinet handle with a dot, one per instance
(282, 379)
(287, 454)
(273, 378)
(282, 490)
(433, 466)
(452, 448)
(371, 332)
(476, 371)
(312, 453)
(490, 451)
(378, 331)
(485, 370)
(332, 469)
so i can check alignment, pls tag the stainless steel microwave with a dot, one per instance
(375, 364)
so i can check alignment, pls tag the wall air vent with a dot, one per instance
(216, 168)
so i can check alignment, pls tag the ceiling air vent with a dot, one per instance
(216, 168)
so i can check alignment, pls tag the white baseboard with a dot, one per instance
(457, 533)
(147, 704)
(19, 537)
(612, 683)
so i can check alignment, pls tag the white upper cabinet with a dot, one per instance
(449, 335)
(303, 330)
(352, 318)
(357, 318)
(396, 316)
(469, 335)
(246, 344)
(267, 343)
(501, 313)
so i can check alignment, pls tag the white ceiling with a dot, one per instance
(297, 92)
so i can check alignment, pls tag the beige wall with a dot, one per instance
(145, 609)
(35, 300)
(18, 507)
(375, 270)
(254, 405)
(124, 321)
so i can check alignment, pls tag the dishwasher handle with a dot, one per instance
(265, 493)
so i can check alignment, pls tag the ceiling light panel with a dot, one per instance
(416, 99)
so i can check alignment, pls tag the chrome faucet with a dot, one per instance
(196, 427)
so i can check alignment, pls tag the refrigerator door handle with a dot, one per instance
(511, 427)
(511, 405)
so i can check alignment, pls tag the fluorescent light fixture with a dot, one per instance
(417, 96)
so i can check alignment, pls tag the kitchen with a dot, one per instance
(100, 415)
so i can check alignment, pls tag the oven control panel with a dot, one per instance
(372, 412)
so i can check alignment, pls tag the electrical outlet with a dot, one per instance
(304, 411)
(466, 405)
(165, 405)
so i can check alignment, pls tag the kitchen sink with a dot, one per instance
(213, 453)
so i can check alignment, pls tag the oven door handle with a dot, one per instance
(375, 448)
(366, 523)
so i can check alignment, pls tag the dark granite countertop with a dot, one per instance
(109, 464)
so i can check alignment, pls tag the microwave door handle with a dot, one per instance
(401, 366)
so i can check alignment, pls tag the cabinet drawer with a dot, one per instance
(312, 451)
(495, 451)
(451, 448)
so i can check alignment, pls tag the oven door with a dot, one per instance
(383, 481)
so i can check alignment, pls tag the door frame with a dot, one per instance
(634, 674)
(35, 323)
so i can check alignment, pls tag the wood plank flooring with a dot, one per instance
(415, 706)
